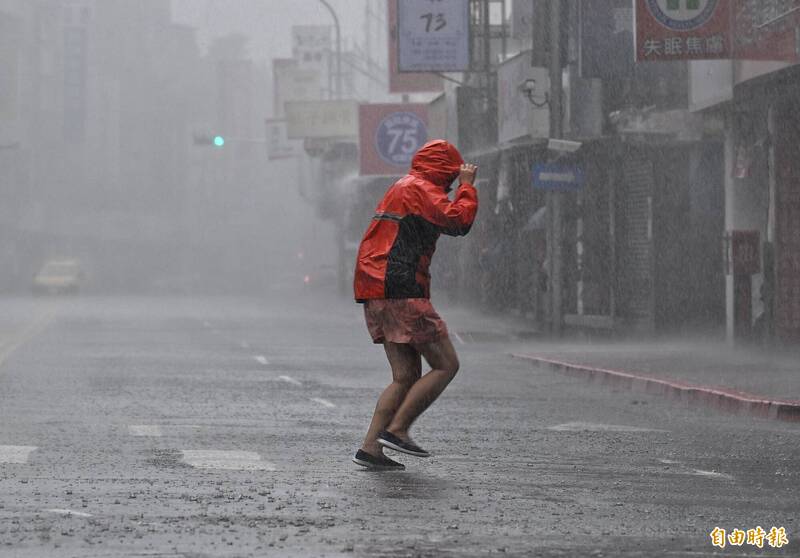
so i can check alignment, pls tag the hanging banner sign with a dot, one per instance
(433, 36)
(321, 119)
(390, 135)
(406, 82)
(683, 30)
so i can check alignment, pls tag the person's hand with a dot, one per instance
(467, 175)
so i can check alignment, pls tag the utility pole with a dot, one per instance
(338, 48)
(555, 227)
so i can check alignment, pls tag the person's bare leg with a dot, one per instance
(442, 358)
(406, 369)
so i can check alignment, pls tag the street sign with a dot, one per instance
(683, 30)
(433, 36)
(390, 135)
(743, 252)
(294, 83)
(556, 177)
(406, 82)
(311, 45)
(321, 119)
(279, 146)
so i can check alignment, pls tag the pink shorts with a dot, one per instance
(403, 320)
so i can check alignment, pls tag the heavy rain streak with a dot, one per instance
(399, 278)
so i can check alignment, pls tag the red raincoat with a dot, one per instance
(396, 251)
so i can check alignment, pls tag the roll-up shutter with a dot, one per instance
(787, 163)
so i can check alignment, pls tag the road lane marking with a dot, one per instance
(33, 329)
(290, 380)
(597, 427)
(61, 511)
(697, 472)
(229, 460)
(16, 454)
(323, 402)
(244, 345)
(458, 338)
(207, 323)
(261, 359)
(152, 430)
(712, 474)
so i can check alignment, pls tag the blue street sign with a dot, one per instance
(552, 176)
(399, 136)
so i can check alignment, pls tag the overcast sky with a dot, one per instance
(267, 22)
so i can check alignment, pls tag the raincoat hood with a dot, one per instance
(438, 161)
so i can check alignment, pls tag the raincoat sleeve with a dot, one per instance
(454, 218)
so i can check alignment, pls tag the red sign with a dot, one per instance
(766, 30)
(683, 30)
(406, 82)
(743, 252)
(390, 135)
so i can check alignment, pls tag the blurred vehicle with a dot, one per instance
(321, 276)
(59, 276)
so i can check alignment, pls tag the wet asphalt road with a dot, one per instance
(225, 427)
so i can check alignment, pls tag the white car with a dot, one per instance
(58, 277)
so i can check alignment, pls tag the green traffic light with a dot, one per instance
(219, 141)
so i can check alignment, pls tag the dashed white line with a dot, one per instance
(60, 511)
(229, 460)
(458, 338)
(597, 427)
(697, 472)
(711, 474)
(206, 323)
(16, 454)
(323, 402)
(152, 430)
(261, 359)
(244, 344)
(290, 380)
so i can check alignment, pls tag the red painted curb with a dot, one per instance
(720, 398)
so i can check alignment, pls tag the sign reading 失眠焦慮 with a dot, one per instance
(683, 30)
(433, 35)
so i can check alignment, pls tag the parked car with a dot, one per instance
(58, 277)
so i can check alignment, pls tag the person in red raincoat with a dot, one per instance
(393, 282)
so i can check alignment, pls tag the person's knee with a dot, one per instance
(406, 382)
(451, 366)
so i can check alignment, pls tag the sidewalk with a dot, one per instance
(747, 381)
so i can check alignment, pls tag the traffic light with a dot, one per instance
(210, 140)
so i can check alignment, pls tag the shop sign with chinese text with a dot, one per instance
(390, 135)
(683, 30)
(321, 119)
